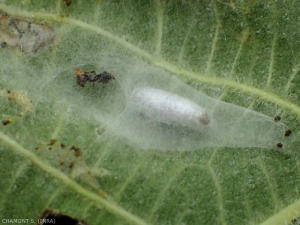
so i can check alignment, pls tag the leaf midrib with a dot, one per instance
(159, 62)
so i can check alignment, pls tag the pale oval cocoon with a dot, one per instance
(150, 109)
(168, 108)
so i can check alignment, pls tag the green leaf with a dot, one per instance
(242, 52)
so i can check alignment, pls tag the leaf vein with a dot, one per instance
(216, 37)
(110, 206)
(160, 18)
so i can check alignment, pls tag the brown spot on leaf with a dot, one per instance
(68, 2)
(77, 151)
(52, 142)
(5, 16)
(288, 133)
(11, 99)
(72, 164)
(6, 122)
(20, 114)
(20, 97)
(277, 118)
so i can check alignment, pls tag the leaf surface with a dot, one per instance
(242, 52)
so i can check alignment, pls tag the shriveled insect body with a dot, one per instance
(168, 108)
(82, 77)
(104, 77)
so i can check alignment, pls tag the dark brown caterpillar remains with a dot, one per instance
(82, 77)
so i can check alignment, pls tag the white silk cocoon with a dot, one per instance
(152, 109)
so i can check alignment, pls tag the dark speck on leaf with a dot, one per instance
(279, 145)
(68, 2)
(287, 133)
(72, 164)
(52, 142)
(277, 118)
(6, 122)
(77, 151)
